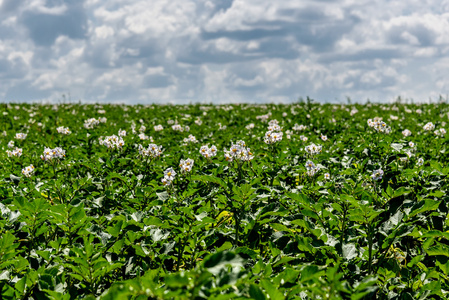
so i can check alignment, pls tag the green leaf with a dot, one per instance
(163, 196)
(256, 293)
(208, 178)
(271, 290)
(438, 249)
(217, 261)
(424, 206)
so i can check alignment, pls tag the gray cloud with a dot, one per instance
(44, 28)
(224, 50)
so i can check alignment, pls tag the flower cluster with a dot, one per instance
(186, 165)
(379, 125)
(152, 151)
(63, 130)
(249, 126)
(11, 144)
(169, 176)
(312, 169)
(17, 152)
(179, 128)
(207, 152)
(429, 126)
(144, 137)
(112, 142)
(273, 125)
(158, 128)
(190, 139)
(440, 132)
(264, 118)
(299, 127)
(50, 154)
(313, 149)
(28, 171)
(272, 137)
(239, 151)
(121, 132)
(20, 136)
(406, 133)
(91, 123)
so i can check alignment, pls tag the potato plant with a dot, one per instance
(242, 201)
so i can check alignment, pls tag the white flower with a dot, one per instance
(50, 154)
(228, 156)
(143, 136)
(310, 165)
(299, 127)
(165, 181)
(440, 132)
(142, 129)
(274, 127)
(239, 151)
(121, 132)
(198, 122)
(28, 171)
(169, 174)
(207, 152)
(112, 142)
(91, 123)
(327, 176)
(420, 161)
(102, 120)
(190, 139)
(312, 169)
(158, 128)
(313, 149)
(177, 127)
(411, 144)
(152, 151)
(186, 165)
(272, 137)
(303, 138)
(11, 144)
(17, 152)
(377, 174)
(429, 126)
(379, 125)
(20, 136)
(63, 130)
(249, 126)
(323, 137)
(406, 133)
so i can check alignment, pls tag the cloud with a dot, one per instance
(223, 51)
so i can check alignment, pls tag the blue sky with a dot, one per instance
(223, 51)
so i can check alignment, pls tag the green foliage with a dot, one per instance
(99, 223)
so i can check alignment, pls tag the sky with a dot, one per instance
(223, 51)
